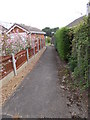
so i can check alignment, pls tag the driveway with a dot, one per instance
(39, 94)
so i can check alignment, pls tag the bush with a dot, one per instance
(48, 40)
(80, 45)
(63, 38)
(72, 63)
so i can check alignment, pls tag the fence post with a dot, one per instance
(34, 47)
(30, 38)
(38, 44)
(14, 64)
(27, 55)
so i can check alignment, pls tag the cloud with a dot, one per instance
(41, 13)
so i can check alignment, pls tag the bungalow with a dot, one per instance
(4, 26)
(2, 29)
(29, 31)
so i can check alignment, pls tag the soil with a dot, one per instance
(77, 99)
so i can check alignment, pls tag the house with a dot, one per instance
(20, 36)
(2, 29)
(4, 26)
(75, 22)
(25, 30)
(10, 29)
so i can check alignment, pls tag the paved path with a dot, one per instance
(39, 94)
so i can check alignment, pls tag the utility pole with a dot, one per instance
(30, 38)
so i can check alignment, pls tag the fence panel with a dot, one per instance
(20, 58)
(39, 44)
(36, 49)
(42, 43)
(31, 52)
(6, 66)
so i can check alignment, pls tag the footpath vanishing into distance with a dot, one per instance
(39, 94)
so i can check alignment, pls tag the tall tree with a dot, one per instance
(50, 31)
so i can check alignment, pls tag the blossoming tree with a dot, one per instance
(13, 44)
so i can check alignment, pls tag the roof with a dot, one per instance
(6, 24)
(3, 29)
(26, 28)
(75, 22)
(32, 29)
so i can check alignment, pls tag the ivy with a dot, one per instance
(79, 56)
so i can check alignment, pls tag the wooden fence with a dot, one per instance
(6, 66)
(8, 63)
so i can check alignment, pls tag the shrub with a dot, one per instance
(80, 45)
(63, 38)
(48, 40)
(72, 63)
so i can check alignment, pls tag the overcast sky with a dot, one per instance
(42, 13)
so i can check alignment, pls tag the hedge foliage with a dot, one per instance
(73, 45)
(79, 58)
(63, 38)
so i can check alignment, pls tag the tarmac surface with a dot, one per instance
(39, 94)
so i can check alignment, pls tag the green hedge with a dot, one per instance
(74, 45)
(79, 57)
(63, 38)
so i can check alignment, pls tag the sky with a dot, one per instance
(42, 13)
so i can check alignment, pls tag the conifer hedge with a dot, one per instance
(63, 38)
